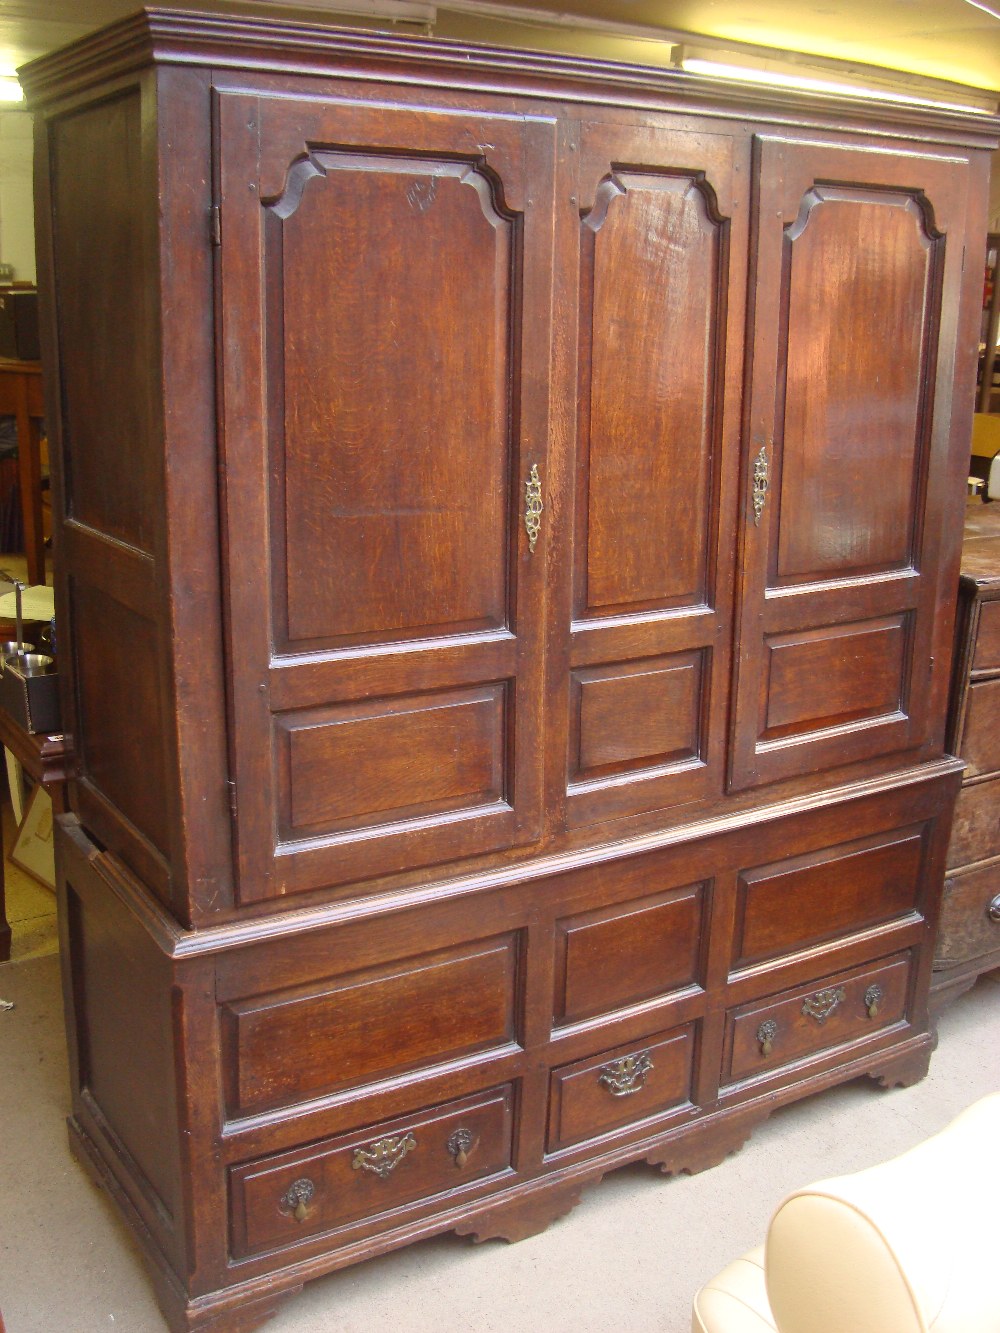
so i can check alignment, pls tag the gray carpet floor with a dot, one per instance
(628, 1258)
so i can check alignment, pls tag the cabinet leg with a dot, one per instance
(906, 1069)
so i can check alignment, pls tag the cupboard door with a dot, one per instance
(385, 278)
(858, 258)
(659, 358)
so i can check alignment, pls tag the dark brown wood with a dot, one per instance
(969, 940)
(410, 803)
(21, 397)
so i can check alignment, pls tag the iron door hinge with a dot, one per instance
(232, 796)
(215, 225)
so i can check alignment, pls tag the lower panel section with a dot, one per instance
(306, 1091)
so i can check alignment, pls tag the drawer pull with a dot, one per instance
(383, 1156)
(821, 1005)
(993, 911)
(297, 1196)
(627, 1075)
(460, 1145)
(873, 995)
(766, 1034)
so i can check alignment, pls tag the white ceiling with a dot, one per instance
(958, 40)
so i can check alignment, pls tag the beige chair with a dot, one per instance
(909, 1246)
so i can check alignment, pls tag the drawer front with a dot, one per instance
(981, 733)
(987, 654)
(811, 899)
(289, 1045)
(287, 1199)
(619, 1087)
(975, 832)
(767, 1034)
(967, 928)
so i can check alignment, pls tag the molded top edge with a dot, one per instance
(156, 36)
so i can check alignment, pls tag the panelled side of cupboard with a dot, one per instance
(509, 510)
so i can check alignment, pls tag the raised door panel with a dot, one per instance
(385, 279)
(854, 339)
(658, 357)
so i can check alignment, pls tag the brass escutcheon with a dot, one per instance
(760, 484)
(533, 507)
(872, 997)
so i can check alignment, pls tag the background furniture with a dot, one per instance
(988, 396)
(418, 870)
(21, 397)
(969, 940)
(904, 1245)
(45, 758)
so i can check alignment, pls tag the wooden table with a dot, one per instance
(21, 397)
(46, 759)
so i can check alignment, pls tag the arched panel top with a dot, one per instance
(654, 274)
(914, 202)
(394, 282)
(623, 179)
(420, 194)
(861, 294)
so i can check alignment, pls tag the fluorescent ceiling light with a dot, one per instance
(406, 11)
(10, 89)
(773, 75)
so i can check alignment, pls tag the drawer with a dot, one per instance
(980, 746)
(812, 899)
(618, 1087)
(967, 930)
(299, 1042)
(287, 1199)
(975, 832)
(767, 1034)
(987, 654)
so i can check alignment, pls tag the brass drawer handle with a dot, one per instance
(821, 1005)
(533, 507)
(384, 1155)
(993, 911)
(297, 1196)
(766, 1034)
(873, 997)
(460, 1145)
(627, 1075)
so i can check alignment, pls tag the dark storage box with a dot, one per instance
(32, 701)
(19, 325)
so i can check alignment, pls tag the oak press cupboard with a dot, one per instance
(508, 520)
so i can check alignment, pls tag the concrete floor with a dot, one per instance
(628, 1258)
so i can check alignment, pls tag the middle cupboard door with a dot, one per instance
(385, 297)
(659, 237)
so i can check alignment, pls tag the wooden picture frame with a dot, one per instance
(34, 849)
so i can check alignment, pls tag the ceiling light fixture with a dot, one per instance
(398, 11)
(908, 90)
